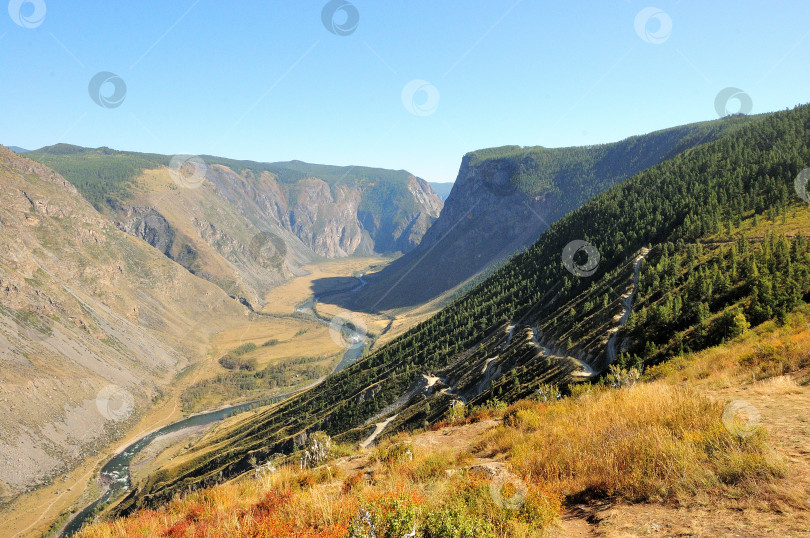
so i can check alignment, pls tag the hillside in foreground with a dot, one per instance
(706, 444)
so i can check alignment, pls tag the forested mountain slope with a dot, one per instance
(504, 198)
(669, 207)
(245, 225)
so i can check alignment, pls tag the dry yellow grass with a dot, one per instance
(396, 496)
(769, 350)
(283, 299)
(658, 443)
(796, 221)
(650, 442)
(661, 443)
(296, 338)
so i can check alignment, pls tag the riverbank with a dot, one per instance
(116, 473)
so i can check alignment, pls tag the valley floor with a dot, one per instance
(298, 337)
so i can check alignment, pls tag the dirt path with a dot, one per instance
(627, 303)
(586, 371)
(380, 426)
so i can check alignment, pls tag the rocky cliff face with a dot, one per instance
(93, 323)
(484, 219)
(248, 226)
(504, 198)
(326, 219)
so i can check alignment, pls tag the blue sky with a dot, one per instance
(268, 81)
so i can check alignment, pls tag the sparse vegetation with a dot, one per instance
(400, 497)
(245, 380)
(649, 442)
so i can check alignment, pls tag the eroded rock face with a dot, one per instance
(487, 217)
(85, 306)
(247, 231)
(484, 219)
(326, 219)
(249, 226)
(147, 224)
(337, 221)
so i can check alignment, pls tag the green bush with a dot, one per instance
(244, 349)
(451, 522)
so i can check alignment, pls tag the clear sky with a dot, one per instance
(269, 81)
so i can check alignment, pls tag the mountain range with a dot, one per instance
(673, 259)
(505, 197)
(247, 226)
(83, 306)
(117, 269)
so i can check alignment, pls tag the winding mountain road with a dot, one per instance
(586, 371)
(627, 302)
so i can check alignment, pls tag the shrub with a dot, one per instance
(318, 449)
(452, 522)
(456, 413)
(244, 349)
(238, 363)
(395, 453)
(390, 515)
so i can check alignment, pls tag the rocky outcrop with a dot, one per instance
(326, 219)
(147, 224)
(484, 219)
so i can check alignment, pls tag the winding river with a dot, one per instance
(115, 473)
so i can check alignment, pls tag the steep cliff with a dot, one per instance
(504, 198)
(247, 226)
